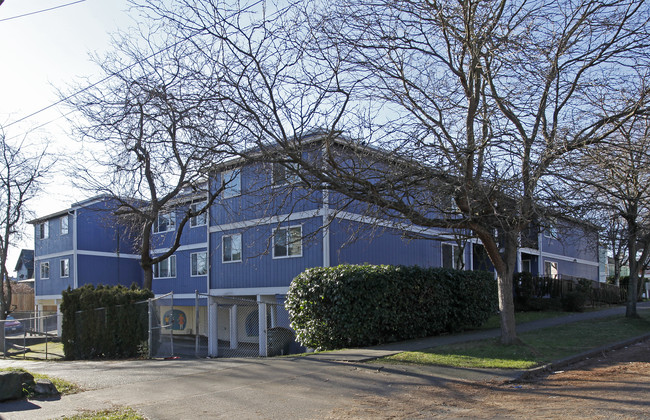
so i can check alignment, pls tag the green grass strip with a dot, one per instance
(536, 347)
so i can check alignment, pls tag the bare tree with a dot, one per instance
(21, 173)
(146, 128)
(615, 176)
(467, 100)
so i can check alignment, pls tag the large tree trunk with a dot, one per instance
(630, 308)
(504, 265)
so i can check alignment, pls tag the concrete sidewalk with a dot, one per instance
(272, 388)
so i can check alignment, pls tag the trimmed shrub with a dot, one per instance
(574, 301)
(104, 322)
(354, 305)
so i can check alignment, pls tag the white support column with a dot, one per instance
(262, 326)
(234, 340)
(540, 260)
(326, 228)
(213, 328)
(40, 325)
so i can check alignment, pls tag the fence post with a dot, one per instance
(262, 327)
(150, 328)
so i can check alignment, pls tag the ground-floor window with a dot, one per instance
(550, 269)
(452, 257)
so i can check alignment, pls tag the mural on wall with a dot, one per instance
(176, 319)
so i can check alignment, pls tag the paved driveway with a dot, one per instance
(280, 388)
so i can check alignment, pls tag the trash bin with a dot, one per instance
(279, 340)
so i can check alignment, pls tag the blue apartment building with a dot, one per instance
(262, 231)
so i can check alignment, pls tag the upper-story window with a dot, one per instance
(165, 222)
(285, 174)
(451, 256)
(231, 247)
(45, 270)
(287, 242)
(200, 219)
(550, 231)
(199, 263)
(231, 182)
(165, 268)
(64, 225)
(43, 230)
(65, 267)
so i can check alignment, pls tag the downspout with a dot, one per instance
(74, 248)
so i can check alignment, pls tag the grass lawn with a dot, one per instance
(38, 352)
(536, 348)
(520, 317)
(124, 413)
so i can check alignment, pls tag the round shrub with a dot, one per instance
(362, 305)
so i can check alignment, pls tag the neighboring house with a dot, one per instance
(262, 231)
(81, 245)
(25, 265)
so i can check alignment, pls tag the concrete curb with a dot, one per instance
(559, 364)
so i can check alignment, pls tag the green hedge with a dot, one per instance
(104, 322)
(354, 305)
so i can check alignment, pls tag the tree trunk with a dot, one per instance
(630, 307)
(504, 265)
(148, 277)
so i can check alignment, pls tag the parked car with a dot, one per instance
(12, 326)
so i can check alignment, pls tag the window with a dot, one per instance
(199, 263)
(64, 225)
(65, 267)
(201, 219)
(232, 248)
(165, 222)
(45, 270)
(451, 256)
(231, 181)
(550, 231)
(550, 269)
(43, 230)
(285, 174)
(165, 268)
(287, 242)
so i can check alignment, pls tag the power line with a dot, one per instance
(40, 11)
(110, 76)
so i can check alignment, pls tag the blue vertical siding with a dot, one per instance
(258, 268)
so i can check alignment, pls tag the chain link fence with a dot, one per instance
(28, 335)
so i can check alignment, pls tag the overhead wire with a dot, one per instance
(41, 11)
(110, 76)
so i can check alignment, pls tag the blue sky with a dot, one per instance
(39, 53)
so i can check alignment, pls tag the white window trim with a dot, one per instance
(290, 178)
(61, 267)
(43, 230)
(223, 248)
(287, 228)
(454, 261)
(227, 192)
(203, 215)
(557, 269)
(206, 264)
(67, 225)
(172, 224)
(44, 264)
(168, 260)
